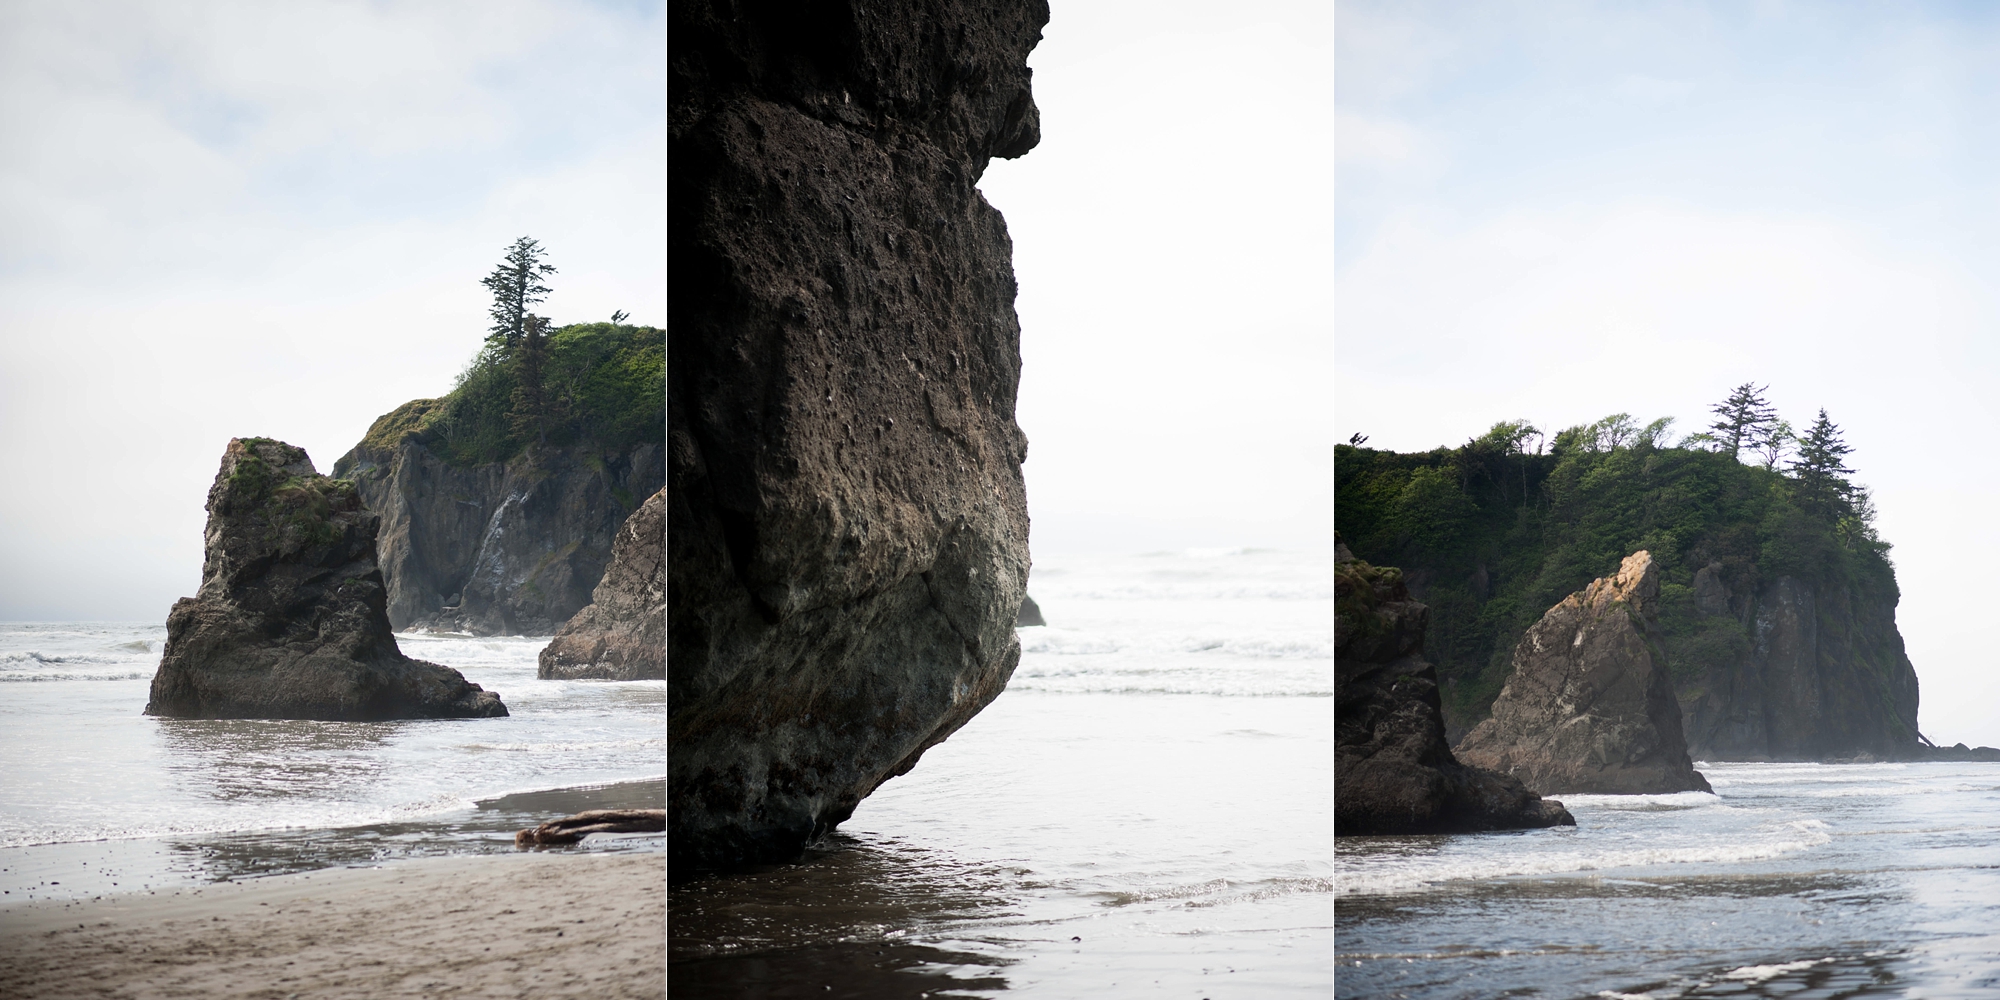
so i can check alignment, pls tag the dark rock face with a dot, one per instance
(1393, 772)
(1825, 677)
(290, 620)
(1590, 707)
(848, 532)
(1031, 613)
(622, 635)
(505, 548)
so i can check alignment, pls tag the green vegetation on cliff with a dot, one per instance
(605, 384)
(1492, 534)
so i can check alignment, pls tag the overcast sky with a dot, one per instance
(1171, 239)
(228, 219)
(1558, 211)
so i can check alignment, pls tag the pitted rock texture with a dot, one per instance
(1590, 707)
(504, 548)
(290, 622)
(1393, 772)
(847, 523)
(622, 635)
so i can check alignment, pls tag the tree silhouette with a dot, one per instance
(1819, 470)
(517, 287)
(1742, 418)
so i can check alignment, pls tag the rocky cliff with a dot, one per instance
(1822, 672)
(622, 635)
(1393, 771)
(508, 547)
(848, 533)
(1590, 708)
(290, 622)
(1777, 621)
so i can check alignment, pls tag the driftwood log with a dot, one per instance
(571, 829)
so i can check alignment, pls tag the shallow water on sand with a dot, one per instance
(98, 797)
(1145, 810)
(1793, 880)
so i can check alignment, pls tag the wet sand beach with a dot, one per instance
(555, 924)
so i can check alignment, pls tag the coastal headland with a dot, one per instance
(542, 924)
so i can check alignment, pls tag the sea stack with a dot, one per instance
(1590, 706)
(1393, 771)
(848, 529)
(290, 622)
(622, 634)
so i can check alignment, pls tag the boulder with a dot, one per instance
(1590, 706)
(622, 634)
(1393, 771)
(290, 621)
(847, 521)
(1031, 613)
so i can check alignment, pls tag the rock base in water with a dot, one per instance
(622, 634)
(1393, 771)
(1590, 707)
(290, 622)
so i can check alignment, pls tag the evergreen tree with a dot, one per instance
(1743, 417)
(529, 409)
(517, 286)
(1821, 477)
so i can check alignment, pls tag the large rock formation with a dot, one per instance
(622, 635)
(848, 532)
(290, 620)
(1823, 673)
(1393, 772)
(1590, 707)
(500, 548)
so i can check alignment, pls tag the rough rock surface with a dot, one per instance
(1590, 707)
(622, 635)
(848, 532)
(1393, 772)
(1824, 676)
(504, 548)
(289, 622)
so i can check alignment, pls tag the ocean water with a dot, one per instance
(1146, 810)
(97, 797)
(1791, 880)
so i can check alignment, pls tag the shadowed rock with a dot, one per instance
(1393, 771)
(289, 622)
(848, 529)
(1590, 707)
(622, 635)
(1031, 613)
(502, 548)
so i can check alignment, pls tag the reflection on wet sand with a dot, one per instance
(232, 759)
(844, 918)
(489, 828)
(81, 870)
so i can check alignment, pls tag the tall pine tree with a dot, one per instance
(517, 287)
(1819, 469)
(1742, 418)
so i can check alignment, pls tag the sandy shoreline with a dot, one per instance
(542, 924)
